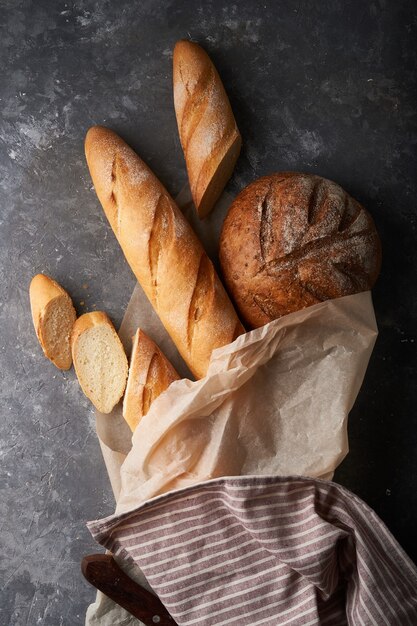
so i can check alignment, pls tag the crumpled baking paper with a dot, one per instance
(274, 402)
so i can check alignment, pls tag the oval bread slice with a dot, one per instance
(150, 373)
(99, 359)
(53, 316)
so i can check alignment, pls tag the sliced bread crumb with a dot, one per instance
(99, 359)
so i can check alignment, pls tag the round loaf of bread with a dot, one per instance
(291, 240)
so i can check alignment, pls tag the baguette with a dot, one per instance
(53, 316)
(207, 128)
(150, 373)
(99, 359)
(163, 251)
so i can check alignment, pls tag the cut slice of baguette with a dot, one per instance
(53, 316)
(150, 373)
(99, 359)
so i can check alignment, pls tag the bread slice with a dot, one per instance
(99, 359)
(150, 373)
(53, 316)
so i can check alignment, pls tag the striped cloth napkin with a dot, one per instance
(267, 550)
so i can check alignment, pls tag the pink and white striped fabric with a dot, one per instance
(267, 550)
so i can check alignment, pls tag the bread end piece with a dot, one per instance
(53, 317)
(99, 359)
(150, 373)
(223, 171)
(208, 131)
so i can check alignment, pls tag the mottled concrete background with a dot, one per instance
(326, 87)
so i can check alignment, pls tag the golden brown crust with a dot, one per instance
(45, 294)
(150, 373)
(207, 128)
(291, 240)
(88, 320)
(42, 290)
(162, 250)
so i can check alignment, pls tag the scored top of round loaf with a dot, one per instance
(291, 240)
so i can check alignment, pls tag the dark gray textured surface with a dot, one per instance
(326, 87)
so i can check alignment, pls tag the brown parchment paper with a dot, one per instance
(275, 401)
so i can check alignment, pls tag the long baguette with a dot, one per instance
(150, 373)
(207, 128)
(163, 251)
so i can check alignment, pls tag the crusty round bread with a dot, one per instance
(291, 240)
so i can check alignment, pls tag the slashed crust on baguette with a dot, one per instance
(163, 251)
(150, 373)
(207, 128)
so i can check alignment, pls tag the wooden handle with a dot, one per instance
(102, 571)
